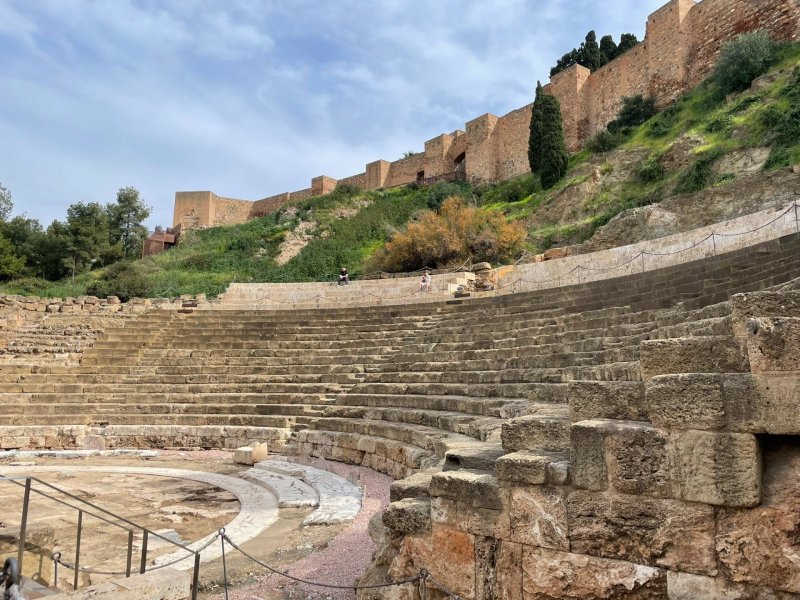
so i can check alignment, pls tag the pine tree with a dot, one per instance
(608, 48)
(553, 149)
(626, 42)
(535, 137)
(126, 218)
(591, 58)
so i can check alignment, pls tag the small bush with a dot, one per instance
(122, 279)
(779, 157)
(721, 124)
(635, 111)
(512, 191)
(651, 170)
(455, 234)
(698, 175)
(743, 103)
(742, 60)
(606, 141)
(347, 189)
(436, 194)
(29, 286)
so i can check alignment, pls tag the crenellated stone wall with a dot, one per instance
(682, 41)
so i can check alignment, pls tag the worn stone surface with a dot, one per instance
(538, 517)
(533, 468)
(166, 584)
(686, 586)
(637, 458)
(464, 517)
(664, 533)
(478, 490)
(606, 400)
(448, 554)
(587, 454)
(413, 486)
(509, 571)
(710, 354)
(760, 545)
(772, 344)
(409, 515)
(554, 575)
(686, 401)
(716, 468)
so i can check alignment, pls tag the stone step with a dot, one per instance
(291, 492)
(476, 406)
(154, 408)
(173, 398)
(548, 432)
(533, 468)
(102, 419)
(701, 354)
(339, 499)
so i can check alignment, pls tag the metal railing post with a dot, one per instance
(130, 553)
(224, 562)
(143, 562)
(78, 551)
(196, 575)
(23, 526)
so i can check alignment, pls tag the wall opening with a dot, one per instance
(420, 176)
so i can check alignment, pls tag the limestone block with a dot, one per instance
(408, 516)
(244, 456)
(686, 401)
(414, 486)
(664, 533)
(554, 575)
(530, 467)
(478, 490)
(761, 304)
(773, 344)
(538, 517)
(534, 432)
(508, 567)
(165, 584)
(93, 442)
(587, 454)
(606, 400)
(260, 452)
(716, 468)
(685, 586)
(463, 517)
(447, 554)
(700, 354)
(760, 545)
(637, 459)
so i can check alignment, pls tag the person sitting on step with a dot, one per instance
(425, 282)
(344, 276)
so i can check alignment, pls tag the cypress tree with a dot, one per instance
(591, 57)
(535, 137)
(554, 152)
(608, 48)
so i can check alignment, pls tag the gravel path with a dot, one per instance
(347, 555)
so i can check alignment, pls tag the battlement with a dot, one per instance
(682, 41)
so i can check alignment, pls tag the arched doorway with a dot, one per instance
(460, 169)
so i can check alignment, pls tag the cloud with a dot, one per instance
(251, 98)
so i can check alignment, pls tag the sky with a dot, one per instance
(250, 98)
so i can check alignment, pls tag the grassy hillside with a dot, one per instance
(687, 147)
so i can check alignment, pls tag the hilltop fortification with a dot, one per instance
(682, 41)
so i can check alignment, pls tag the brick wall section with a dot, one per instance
(359, 180)
(681, 45)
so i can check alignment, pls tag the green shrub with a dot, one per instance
(29, 286)
(606, 141)
(635, 111)
(779, 157)
(742, 60)
(511, 191)
(436, 194)
(124, 280)
(743, 103)
(661, 125)
(698, 176)
(651, 170)
(721, 124)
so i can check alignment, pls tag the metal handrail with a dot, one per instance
(146, 533)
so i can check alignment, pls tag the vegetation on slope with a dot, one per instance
(631, 164)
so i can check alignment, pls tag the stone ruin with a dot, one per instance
(628, 437)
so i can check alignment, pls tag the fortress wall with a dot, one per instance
(228, 211)
(715, 21)
(405, 170)
(359, 180)
(681, 44)
(511, 143)
(265, 206)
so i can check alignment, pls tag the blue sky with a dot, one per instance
(250, 98)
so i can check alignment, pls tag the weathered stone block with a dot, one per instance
(709, 354)
(532, 468)
(478, 490)
(447, 554)
(685, 586)
(637, 458)
(716, 468)
(686, 401)
(477, 521)
(772, 344)
(663, 533)
(587, 454)
(553, 575)
(606, 400)
(244, 456)
(538, 517)
(409, 515)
